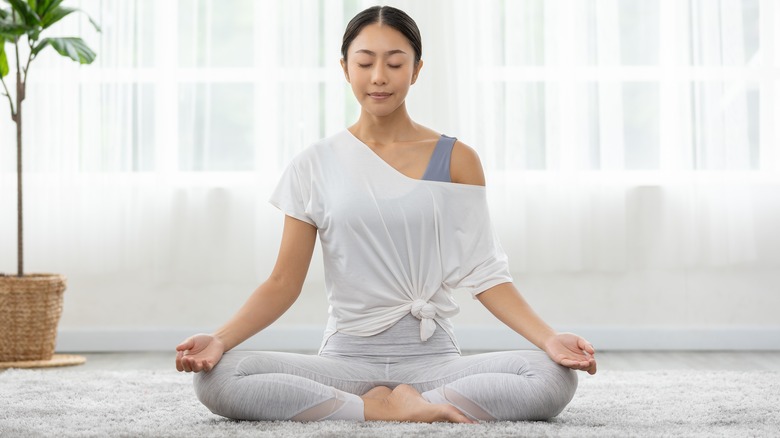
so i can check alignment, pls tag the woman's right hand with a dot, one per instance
(199, 353)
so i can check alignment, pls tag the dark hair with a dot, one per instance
(395, 18)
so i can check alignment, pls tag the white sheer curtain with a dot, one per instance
(615, 134)
(620, 134)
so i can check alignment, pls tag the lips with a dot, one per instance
(379, 94)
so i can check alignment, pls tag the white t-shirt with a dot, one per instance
(391, 244)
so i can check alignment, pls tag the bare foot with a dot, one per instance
(378, 393)
(404, 403)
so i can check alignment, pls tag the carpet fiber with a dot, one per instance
(72, 402)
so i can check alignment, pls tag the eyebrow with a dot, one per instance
(389, 52)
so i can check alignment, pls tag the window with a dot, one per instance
(585, 85)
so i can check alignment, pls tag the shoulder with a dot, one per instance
(465, 166)
(318, 151)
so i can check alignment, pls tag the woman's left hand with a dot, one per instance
(572, 352)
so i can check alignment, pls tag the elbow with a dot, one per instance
(284, 284)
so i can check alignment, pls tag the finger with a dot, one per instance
(575, 364)
(187, 364)
(204, 365)
(186, 345)
(589, 366)
(571, 362)
(592, 368)
(179, 366)
(568, 363)
(585, 346)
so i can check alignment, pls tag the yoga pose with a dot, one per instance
(403, 221)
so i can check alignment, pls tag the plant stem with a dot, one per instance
(19, 204)
(10, 100)
(27, 67)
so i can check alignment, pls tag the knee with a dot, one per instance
(545, 389)
(558, 384)
(211, 387)
(533, 388)
(226, 392)
(219, 388)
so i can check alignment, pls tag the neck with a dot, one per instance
(392, 128)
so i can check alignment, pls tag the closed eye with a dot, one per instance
(369, 65)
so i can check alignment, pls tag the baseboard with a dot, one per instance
(471, 338)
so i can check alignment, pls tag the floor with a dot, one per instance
(624, 360)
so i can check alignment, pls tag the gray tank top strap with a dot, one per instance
(439, 166)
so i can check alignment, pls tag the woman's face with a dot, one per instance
(380, 68)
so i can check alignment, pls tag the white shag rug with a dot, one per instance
(74, 403)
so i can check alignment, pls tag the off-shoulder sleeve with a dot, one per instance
(293, 195)
(472, 256)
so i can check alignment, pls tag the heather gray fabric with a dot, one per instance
(439, 167)
(510, 385)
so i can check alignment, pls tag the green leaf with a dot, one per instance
(94, 23)
(45, 6)
(4, 13)
(56, 14)
(29, 17)
(73, 48)
(10, 30)
(40, 46)
(3, 59)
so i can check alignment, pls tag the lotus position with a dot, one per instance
(403, 222)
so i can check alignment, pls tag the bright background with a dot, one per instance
(630, 147)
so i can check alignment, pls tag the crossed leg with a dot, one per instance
(510, 386)
(520, 385)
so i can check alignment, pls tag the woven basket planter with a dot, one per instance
(30, 309)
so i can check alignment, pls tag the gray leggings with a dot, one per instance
(510, 385)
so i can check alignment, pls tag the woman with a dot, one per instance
(403, 221)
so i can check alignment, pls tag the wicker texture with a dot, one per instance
(58, 360)
(30, 309)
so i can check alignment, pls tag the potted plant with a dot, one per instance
(30, 304)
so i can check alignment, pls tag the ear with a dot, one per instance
(344, 67)
(417, 71)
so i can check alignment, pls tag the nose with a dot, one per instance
(378, 75)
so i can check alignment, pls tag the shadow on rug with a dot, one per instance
(70, 403)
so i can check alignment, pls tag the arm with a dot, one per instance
(505, 302)
(266, 304)
(272, 298)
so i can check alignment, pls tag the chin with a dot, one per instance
(379, 111)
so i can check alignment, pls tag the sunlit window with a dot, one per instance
(586, 85)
